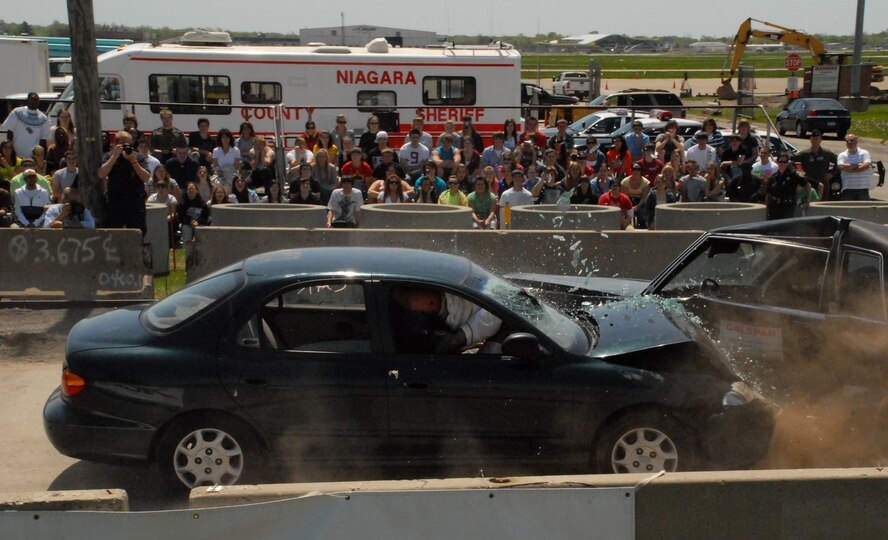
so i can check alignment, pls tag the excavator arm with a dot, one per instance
(779, 33)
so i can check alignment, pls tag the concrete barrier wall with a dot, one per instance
(812, 503)
(875, 211)
(157, 237)
(639, 254)
(707, 215)
(584, 217)
(74, 264)
(415, 216)
(95, 500)
(269, 215)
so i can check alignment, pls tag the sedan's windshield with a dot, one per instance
(547, 319)
(192, 300)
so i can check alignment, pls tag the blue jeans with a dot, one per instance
(855, 195)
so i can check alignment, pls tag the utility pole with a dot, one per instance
(342, 26)
(86, 96)
(858, 49)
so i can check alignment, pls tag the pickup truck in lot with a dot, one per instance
(571, 83)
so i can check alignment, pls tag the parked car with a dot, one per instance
(645, 98)
(528, 91)
(806, 114)
(599, 123)
(652, 126)
(777, 144)
(799, 304)
(317, 357)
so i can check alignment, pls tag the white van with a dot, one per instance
(203, 75)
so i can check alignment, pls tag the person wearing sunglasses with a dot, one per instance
(781, 189)
(855, 164)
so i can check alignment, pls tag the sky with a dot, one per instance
(686, 18)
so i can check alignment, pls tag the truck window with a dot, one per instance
(448, 90)
(261, 93)
(210, 94)
(368, 99)
(860, 288)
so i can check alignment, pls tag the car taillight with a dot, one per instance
(812, 113)
(72, 383)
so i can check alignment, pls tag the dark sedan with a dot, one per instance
(799, 304)
(804, 115)
(319, 358)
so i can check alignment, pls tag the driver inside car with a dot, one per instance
(458, 322)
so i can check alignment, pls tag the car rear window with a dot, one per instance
(194, 299)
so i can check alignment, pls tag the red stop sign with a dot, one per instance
(793, 62)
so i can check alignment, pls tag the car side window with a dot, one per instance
(861, 290)
(326, 318)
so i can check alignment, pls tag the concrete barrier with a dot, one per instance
(96, 500)
(875, 211)
(73, 264)
(707, 215)
(583, 217)
(157, 236)
(810, 503)
(640, 254)
(415, 216)
(269, 215)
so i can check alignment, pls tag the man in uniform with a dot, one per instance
(820, 169)
(782, 188)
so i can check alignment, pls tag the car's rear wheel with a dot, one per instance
(205, 450)
(644, 442)
(841, 134)
(800, 130)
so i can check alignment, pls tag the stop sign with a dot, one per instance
(793, 62)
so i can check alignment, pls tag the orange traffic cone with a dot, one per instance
(605, 85)
(673, 85)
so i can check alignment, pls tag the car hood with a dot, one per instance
(582, 285)
(640, 323)
(114, 329)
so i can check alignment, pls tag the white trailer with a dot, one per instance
(203, 75)
(25, 65)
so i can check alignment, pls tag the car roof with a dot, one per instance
(814, 230)
(360, 261)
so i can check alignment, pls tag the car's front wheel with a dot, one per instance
(644, 442)
(800, 129)
(207, 451)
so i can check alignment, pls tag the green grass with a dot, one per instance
(647, 66)
(175, 280)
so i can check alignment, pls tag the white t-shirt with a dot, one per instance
(764, 171)
(703, 156)
(28, 129)
(514, 198)
(855, 180)
(412, 157)
(226, 159)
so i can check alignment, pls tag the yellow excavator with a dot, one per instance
(784, 35)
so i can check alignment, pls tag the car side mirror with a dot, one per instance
(521, 345)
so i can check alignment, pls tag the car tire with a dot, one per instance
(186, 445)
(780, 129)
(800, 130)
(841, 134)
(644, 442)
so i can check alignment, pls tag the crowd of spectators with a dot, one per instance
(191, 173)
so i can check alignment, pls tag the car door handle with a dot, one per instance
(256, 382)
(417, 386)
